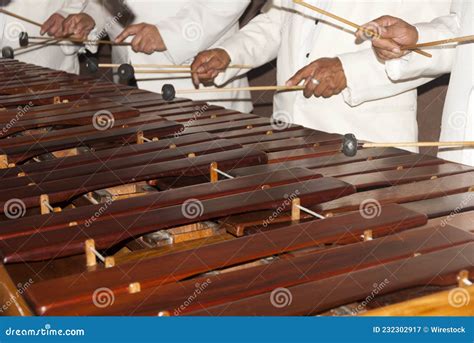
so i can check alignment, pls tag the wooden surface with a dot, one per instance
(375, 207)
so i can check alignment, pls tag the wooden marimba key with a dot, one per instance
(94, 172)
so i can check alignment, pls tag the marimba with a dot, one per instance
(117, 202)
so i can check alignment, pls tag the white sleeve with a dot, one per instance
(102, 18)
(414, 65)
(367, 79)
(199, 25)
(257, 43)
(72, 7)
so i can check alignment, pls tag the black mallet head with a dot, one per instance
(92, 65)
(350, 145)
(24, 39)
(126, 72)
(8, 52)
(168, 92)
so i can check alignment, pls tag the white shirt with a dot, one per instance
(288, 31)
(187, 27)
(458, 115)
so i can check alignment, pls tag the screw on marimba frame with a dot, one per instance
(463, 279)
(134, 287)
(367, 236)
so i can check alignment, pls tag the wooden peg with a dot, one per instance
(21, 174)
(213, 172)
(368, 235)
(173, 146)
(295, 210)
(269, 133)
(140, 137)
(191, 155)
(134, 287)
(44, 204)
(4, 162)
(89, 247)
(463, 279)
(471, 189)
(109, 262)
(57, 100)
(164, 314)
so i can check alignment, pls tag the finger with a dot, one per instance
(310, 86)
(385, 21)
(387, 55)
(129, 31)
(318, 92)
(211, 66)
(55, 30)
(199, 60)
(386, 45)
(328, 92)
(136, 43)
(300, 75)
(46, 27)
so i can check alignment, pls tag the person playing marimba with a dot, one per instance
(324, 54)
(458, 117)
(168, 32)
(47, 17)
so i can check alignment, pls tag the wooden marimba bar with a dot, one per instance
(117, 202)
